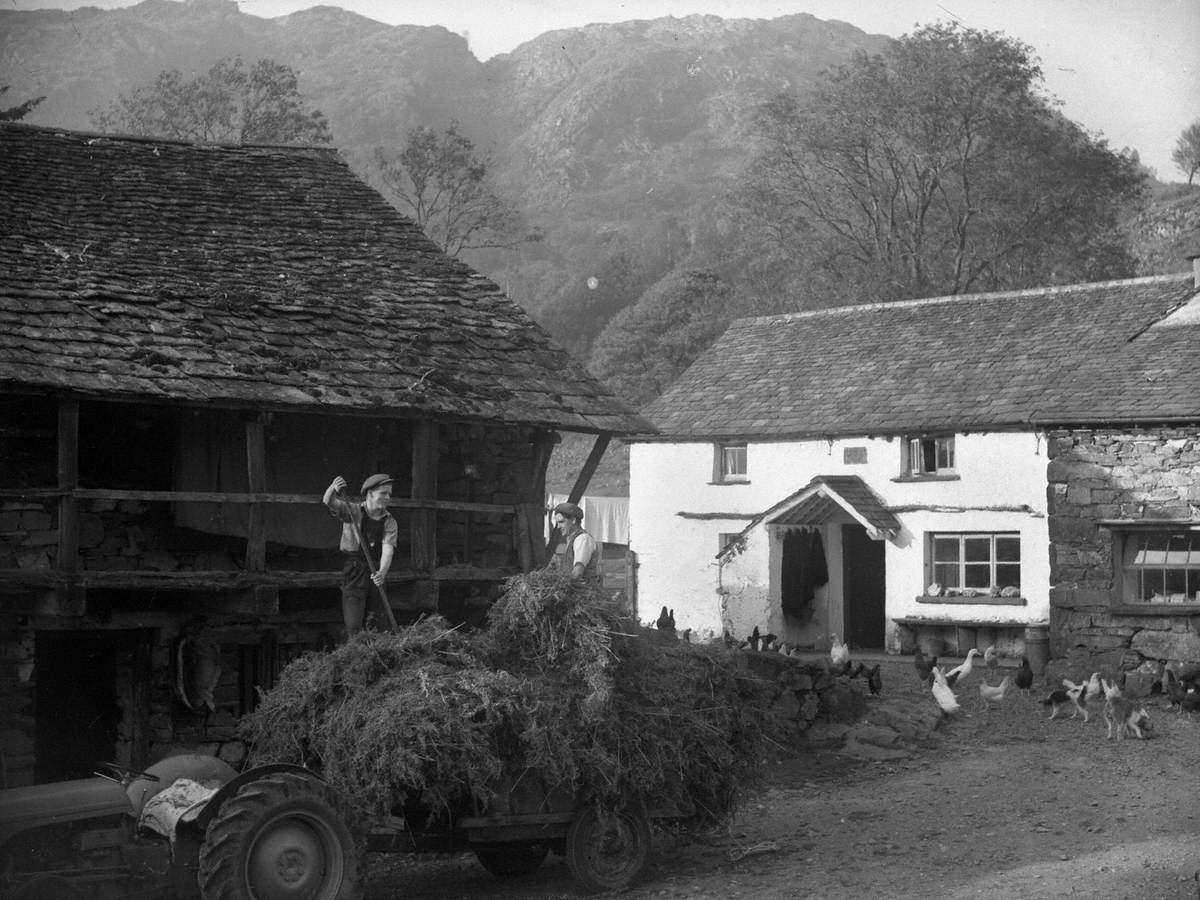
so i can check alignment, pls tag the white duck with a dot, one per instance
(942, 694)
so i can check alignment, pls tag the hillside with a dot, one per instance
(623, 142)
(619, 140)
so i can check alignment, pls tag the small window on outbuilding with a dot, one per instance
(1160, 566)
(928, 456)
(729, 464)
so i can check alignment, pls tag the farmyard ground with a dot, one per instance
(1001, 803)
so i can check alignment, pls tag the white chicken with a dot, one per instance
(942, 694)
(989, 694)
(963, 669)
(991, 659)
(839, 653)
(1094, 687)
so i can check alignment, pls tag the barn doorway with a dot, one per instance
(863, 588)
(90, 701)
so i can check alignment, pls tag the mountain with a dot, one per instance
(621, 141)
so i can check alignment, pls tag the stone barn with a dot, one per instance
(194, 341)
(1124, 505)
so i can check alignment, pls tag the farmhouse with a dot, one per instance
(194, 341)
(1017, 468)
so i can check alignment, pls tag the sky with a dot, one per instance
(1127, 70)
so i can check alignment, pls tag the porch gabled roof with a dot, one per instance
(826, 494)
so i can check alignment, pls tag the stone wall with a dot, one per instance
(1096, 475)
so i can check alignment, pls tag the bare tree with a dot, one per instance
(443, 182)
(1186, 154)
(227, 104)
(937, 168)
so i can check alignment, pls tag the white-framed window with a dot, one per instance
(1160, 566)
(977, 561)
(929, 455)
(729, 465)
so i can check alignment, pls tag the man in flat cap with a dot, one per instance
(379, 531)
(579, 554)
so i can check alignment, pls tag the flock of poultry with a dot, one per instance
(1181, 691)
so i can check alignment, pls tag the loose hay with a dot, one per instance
(560, 682)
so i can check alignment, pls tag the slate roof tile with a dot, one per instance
(970, 362)
(162, 271)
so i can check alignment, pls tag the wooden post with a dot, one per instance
(256, 476)
(581, 482)
(424, 521)
(68, 480)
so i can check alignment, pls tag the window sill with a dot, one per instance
(908, 478)
(1155, 609)
(729, 483)
(985, 600)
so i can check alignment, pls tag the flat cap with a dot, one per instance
(376, 481)
(570, 510)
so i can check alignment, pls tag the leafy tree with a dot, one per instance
(20, 111)
(647, 346)
(228, 104)
(936, 168)
(1186, 154)
(443, 182)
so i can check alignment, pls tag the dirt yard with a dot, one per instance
(996, 803)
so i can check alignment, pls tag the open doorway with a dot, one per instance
(863, 588)
(89, 701)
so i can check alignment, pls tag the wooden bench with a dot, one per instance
(954, 637)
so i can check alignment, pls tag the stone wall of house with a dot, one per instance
(1095, 475)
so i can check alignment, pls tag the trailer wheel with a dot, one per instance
(282, 836)
(512, 859)
(607, 851)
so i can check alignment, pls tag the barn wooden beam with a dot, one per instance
(256, 478)
(424, 521)
(68, 480)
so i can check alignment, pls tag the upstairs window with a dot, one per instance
(730, 463)
(977, 561)
(924, 456)
(1161, 567)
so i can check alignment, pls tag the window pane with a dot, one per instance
(1193, 588)
(1008, 549)
(1176, 582)
(978, 576)
(945, 549)
(945, 453)
(928, 456)
(946, 575)
(733, 459)
(1008, 576)
(978, 549)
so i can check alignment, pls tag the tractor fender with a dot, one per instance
(194, 766)
(230, 788)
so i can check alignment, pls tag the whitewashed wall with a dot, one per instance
(676, 554)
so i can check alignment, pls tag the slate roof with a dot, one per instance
(973, 362)
(269, 277)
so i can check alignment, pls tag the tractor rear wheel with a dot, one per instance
(282, 836)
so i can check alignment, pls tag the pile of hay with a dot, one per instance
(560, 682)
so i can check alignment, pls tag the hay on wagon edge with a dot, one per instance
(562, 683)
